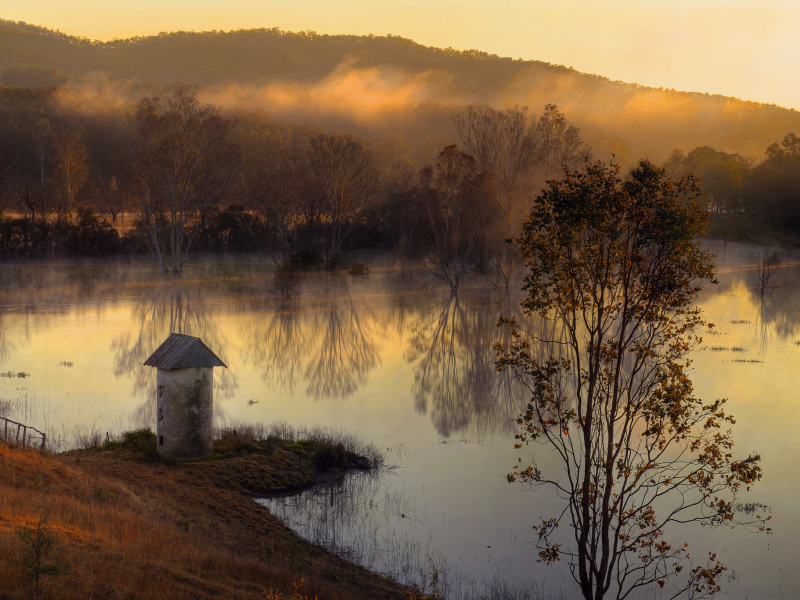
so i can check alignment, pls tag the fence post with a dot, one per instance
(44, 439)
(16, 440)
(24, 436)
(5, 435)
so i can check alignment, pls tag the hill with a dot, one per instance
(382, 84)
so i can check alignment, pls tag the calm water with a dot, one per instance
(398, 362)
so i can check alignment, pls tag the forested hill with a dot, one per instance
(253, 56)
(377, 85)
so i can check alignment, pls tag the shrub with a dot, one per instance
(307, 260)
(37, 558)
(359, 270)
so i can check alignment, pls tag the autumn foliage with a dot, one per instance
(617, 264)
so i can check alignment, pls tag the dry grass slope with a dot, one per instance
(133, 527)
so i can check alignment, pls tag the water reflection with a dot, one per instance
(455, 380)
(775, 314)
(171, 306)
(425, 361)
(347, 351)
(277, 345)
(326, 344)
(328, 340)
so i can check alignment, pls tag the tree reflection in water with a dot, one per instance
(330, 342)
(348, 351)
(172, 306)
(455, 380)
(278, 345)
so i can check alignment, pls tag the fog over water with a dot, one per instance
(400, 363)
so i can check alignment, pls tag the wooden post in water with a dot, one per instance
(44, 439)
(5, 436)
(18, 428)
(24, 436)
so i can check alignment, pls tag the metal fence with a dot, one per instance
(29, 435)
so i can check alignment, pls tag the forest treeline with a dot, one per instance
(186, 176)
(86, 175)
(762, 191)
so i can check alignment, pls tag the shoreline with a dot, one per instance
(204, 512)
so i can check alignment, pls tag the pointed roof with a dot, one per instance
(183, 352)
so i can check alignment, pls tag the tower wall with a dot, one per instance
(184, 412)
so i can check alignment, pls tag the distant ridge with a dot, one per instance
(270, 54)
(394, 74)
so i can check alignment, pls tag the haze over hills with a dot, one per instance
(378, 85)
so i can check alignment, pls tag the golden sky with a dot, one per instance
(744, 48)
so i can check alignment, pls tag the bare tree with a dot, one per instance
(561, 143)
(42, 154)
(506, 144)
(479, 130)
(70, 161)
(287, 281)
(8, 161)
(403, 215)
(113, 199)
(514, 146)
(184, 164)
(766, 266)
(351, 185)
(279, 192)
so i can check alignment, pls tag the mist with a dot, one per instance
(375, 86)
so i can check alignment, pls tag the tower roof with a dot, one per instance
(183, 352)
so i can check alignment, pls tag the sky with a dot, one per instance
(749, 49)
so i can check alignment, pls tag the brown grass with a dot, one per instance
(138, 528)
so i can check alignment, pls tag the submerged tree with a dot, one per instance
(767, 263)
(456, 199)
(351, 184)
(8, 162)
(519, 151)
(616, 264)
(183, 165)
(71, 171)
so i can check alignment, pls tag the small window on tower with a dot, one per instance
(161, 440)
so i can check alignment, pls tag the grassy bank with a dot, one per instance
(131, 525)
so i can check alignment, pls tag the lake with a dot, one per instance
(403, 365)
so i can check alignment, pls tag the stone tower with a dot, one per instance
(185, 397)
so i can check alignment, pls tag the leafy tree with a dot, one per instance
(790, 146)
(90, 236)
(721, 176)
(36, 556)
(617, 265)
(773, 187)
